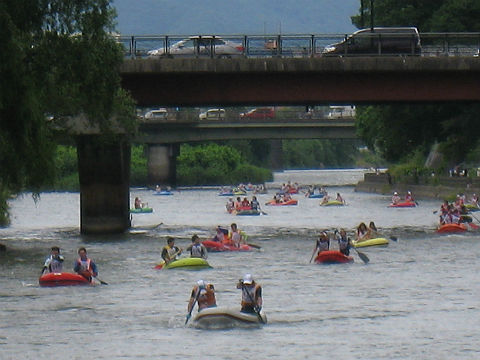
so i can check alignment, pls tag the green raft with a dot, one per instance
(185, 263)
(370, 242)
(143, 210)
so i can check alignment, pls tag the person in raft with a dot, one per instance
(170, 251)
(409, 197)
(373, 230)
(197, 249)
(220, 234)
(138, 203)
(339, 198)
(251, 295)
(395, 198)
(235, 236)
(53, 263)
(363, 233)
(84, 265)
(322, 244)
(203, 294)
(343, 242)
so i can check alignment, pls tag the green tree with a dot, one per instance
(58, 59)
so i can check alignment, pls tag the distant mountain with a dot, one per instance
(187, 17)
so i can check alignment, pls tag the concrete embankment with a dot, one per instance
(437, 187)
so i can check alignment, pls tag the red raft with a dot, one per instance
(451, 228)
(404, 204)
(332, 257)
(62, 279)
(215, 246)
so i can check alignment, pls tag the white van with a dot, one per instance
(339, 112)
(159, 114)
(212, 114)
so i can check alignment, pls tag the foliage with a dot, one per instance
(138, 166)
(396, 131)
(58, 58)
(314, 154)
(212, 164)
(411, 168)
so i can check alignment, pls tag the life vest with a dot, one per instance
(206, 297)
(197, 251)
(342, 242)
(248, 295)
(323, 245)
(54, 265)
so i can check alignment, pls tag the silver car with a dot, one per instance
(210, 46)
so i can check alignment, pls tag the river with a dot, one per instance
(417, 298)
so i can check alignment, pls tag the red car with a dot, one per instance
(259, 113)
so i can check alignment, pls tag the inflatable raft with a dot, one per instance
(185, 263)
(249, 212)
(285, 203)
(332, 257)
(472, 207)
(315, 196)
(62, 279)
(164, 193)
(221, 318)
(332, 203)
(144, 210)
(451, 228)
(403, 204)
(370, 242)
(215, 246)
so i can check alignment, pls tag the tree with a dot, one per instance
(58, 59)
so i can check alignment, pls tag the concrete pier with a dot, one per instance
(162, 164)
(104, 173)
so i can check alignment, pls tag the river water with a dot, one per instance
(418, 298)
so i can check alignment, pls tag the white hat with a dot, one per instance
(247, 279)
(201, 283)
(395, 193)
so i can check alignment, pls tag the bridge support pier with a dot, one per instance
(162, 164)
(276, 155)
(104, 173)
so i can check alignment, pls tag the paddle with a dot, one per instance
(160, 266)
(255, 308)
(101, 281)
(254, 245)
(361, 255)
(189, 315)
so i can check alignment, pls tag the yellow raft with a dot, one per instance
(370, 242)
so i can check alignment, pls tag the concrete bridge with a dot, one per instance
(104, 167)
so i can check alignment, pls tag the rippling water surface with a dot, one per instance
(417, 298)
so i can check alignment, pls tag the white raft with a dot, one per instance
(221, 318)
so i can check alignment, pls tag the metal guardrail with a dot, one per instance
(301, 46)
(191, 116)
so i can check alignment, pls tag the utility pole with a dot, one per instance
(372, 14)
(362, 15)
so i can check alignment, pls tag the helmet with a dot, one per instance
(248, 279)
(395, 193)
(201, 284)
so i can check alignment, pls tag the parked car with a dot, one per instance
(339, 112)
(212, 114)
(202, 46)
(259, 113)
(382, 40)
(159, 114)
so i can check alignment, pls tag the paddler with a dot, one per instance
(251, 295)
(322, 244)
(53, 263)
(236, 238)
(84, 265)
(170, 251)
(395, 198)
(197, 249)
(363, 233)
(344, 244)
(204, 295)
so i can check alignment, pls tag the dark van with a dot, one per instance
(380, 41)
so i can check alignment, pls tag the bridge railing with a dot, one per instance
(432, 44)
(192, 115)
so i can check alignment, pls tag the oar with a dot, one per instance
(361, 255)
(160, 266)
(313, 254)
(101, 281)
(254, 306)
(189, 315)
(254, 245)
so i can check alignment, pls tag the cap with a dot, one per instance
(395, 193)
(247, 279)
(201, 284)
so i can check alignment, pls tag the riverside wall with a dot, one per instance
(436, 187)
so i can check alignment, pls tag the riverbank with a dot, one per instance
(437, 187)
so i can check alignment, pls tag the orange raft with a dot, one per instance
(62, 279)
(332, 257)
(451, 228)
